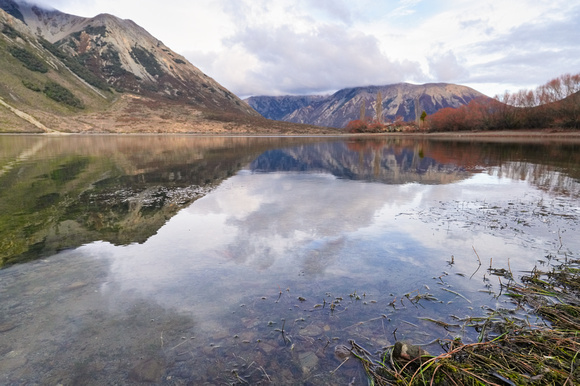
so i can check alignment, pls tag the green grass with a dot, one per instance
(30, 60)
(61, 94)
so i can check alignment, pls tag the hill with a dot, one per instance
(399, 101)
(62, 72)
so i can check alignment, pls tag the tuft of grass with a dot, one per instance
(521, 355)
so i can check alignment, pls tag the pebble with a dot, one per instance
(341, 352)
(308, 361)
(311, 330)
(76, 285)
(5, 327)
(149, 371)
(406, 351)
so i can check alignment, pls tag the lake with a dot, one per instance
(256, 260)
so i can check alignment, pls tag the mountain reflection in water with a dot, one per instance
(354, 160)
(182, 258)
(58, 193)
(62, 192)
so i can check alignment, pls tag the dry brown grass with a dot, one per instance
(520, 355)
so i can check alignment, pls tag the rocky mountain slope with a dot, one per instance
(278, 107)
(62, 72)
(399, 101)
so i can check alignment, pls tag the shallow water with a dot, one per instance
(220, 260)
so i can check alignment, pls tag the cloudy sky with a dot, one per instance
(278, 47)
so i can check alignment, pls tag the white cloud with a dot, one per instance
(325, 58)
(446, 67)
(309, 46)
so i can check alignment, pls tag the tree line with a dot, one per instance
(377, 124)
(554, 104)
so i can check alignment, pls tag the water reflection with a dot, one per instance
(552, 167)
(58, 193)
(377, 161)
(197, 252)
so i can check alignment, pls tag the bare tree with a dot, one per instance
(363, 110)
(379, 107)
(417, 111)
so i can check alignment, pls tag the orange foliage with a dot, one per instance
(357, 126)
(555, 104)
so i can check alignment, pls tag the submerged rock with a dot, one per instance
(149, 371)
(341, 352)
(406, 352)
(311, 330)
(308, 361)
(5, 327)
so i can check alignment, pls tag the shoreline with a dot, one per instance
(532, 135)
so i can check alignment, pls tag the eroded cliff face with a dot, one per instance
(399, 101)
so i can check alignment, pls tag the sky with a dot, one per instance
(301, 47)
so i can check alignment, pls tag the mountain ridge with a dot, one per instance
(399, 101)
(66, 73)
(128, 58)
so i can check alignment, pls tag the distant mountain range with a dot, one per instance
(402, 100)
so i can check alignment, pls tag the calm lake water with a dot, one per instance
(220, 260)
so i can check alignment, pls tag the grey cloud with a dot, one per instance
(542, 34)
(534, 68)
(202, 60)
(532, 53)
(329, 58)
(479, 24)
(334, 8)
(446, 68)
(53, 4)
(238, 10)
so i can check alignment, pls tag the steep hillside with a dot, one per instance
(278, 107)
(125, 56)
(67, 73)
(402, 100)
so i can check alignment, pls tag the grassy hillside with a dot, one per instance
(35, 82)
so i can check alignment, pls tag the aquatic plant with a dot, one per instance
(520, 354)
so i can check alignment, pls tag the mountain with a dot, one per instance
(278, 107)
(67, 73)
(403, 100)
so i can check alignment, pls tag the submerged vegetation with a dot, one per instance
(514, 353)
